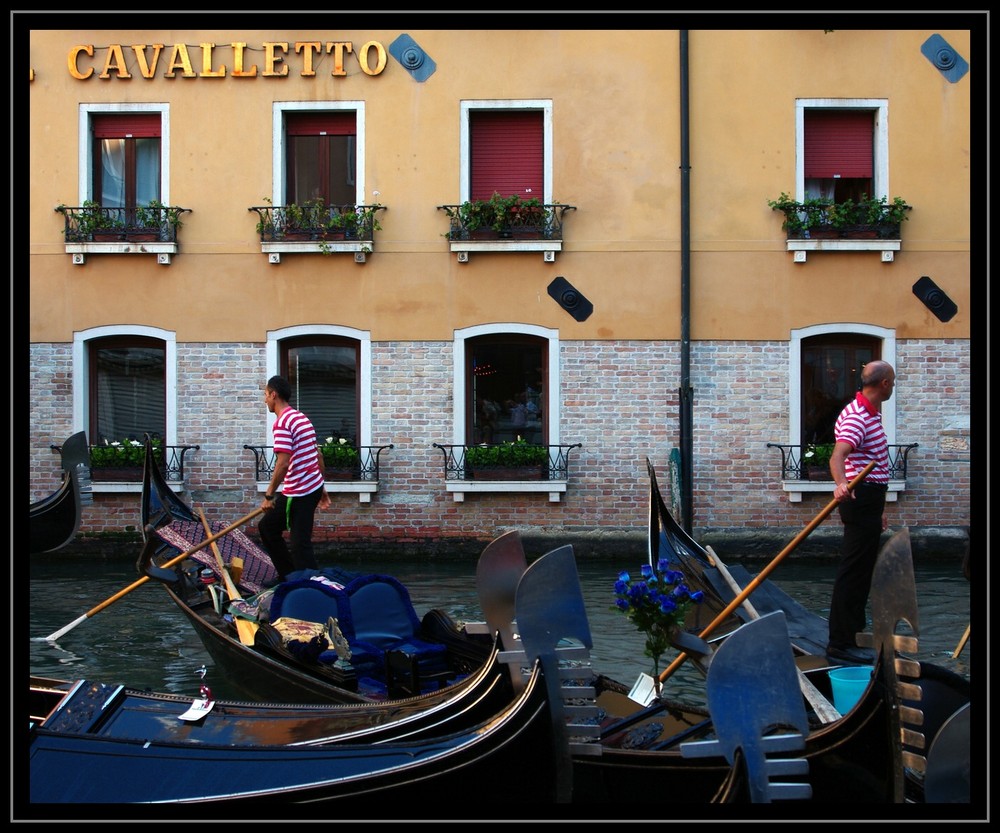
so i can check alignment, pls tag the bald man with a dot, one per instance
(860, 439)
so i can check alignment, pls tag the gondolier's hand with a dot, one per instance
(324, 500)
(843, 492)
(267, 502)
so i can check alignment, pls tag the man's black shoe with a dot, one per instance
(859, 656)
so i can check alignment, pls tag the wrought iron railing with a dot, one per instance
(368, 467)
(316, 222)
(169, 458)
(456, 466)
(93, 223)
(792, 467)
(545, 223)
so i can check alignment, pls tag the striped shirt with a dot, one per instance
(860, 426)
(294, 434)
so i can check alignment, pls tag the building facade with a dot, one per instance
(583, 239)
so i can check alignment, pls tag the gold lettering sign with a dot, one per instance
(121, 62)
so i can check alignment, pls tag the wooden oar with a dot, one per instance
(245, 628)
(52, 637)
(824, 710)
(763, 574)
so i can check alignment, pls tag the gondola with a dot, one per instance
(274, 667)
(641, 746)
(93, 749)
(704, 570)
(875, 753)
(55, 519)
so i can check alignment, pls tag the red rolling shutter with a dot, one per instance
(338, 123)
(507, 153)
(119, 126)
(838, 143)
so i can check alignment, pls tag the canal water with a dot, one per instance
(142, 640)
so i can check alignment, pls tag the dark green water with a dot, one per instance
(142, 640)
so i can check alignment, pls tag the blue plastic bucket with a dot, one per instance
(848, 684)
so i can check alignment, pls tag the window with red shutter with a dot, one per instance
(506, 153)
(839, 153)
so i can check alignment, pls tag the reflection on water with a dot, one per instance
(142, 640)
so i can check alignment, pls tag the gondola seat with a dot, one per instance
(310, 601)
(375, 615)
(383, 620)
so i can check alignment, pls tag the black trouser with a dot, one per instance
(297, 554)
(862, 517)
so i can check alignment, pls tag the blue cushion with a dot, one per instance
(381, 610)
(311, 601)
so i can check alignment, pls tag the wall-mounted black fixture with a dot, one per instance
(412, 58)
(935, 299)
(570, 299)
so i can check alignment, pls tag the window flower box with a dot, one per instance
(513, 460)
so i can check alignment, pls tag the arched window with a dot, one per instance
(323, 373)
(831, 375)
(824, 370)
(505, 381)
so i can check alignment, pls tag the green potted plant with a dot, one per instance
(796, 219)
(122, 459)
(157, 219)
(816, 461)
(511, 460)
(92, 222)
(340, 459)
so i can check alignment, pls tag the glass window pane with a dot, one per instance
(831, 374)
(324, 380)
(130, 384)
(113, 173)
(147, 170)
(506, 390)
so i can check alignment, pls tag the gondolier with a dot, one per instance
(298, 470)
(860, 439)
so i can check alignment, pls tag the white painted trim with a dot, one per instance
(465, 164)
(85, 136)
(553, 395)
(81, 373)
(364, 339)
(880, 163)
(888, 338)
(278, 154)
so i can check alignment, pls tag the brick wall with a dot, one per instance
(619, 399)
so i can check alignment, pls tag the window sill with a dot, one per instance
(359, 248)
(129, 487)
(548, 248)
(163, 251)
(796, 488)
(364, 489)
(801, 248)
(458, 488)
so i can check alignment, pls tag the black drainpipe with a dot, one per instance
(686, 394)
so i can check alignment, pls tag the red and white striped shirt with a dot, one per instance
(860, 426)
(294, 434)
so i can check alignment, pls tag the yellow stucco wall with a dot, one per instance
(616, 143)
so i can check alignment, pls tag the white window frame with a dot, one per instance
(553, 402)
(85, 150)
(880, 172)
(796, 488)
(272, 351)
(85, 165)
(81, 384)
(465, 167)
(279, 156)
(463, 248)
